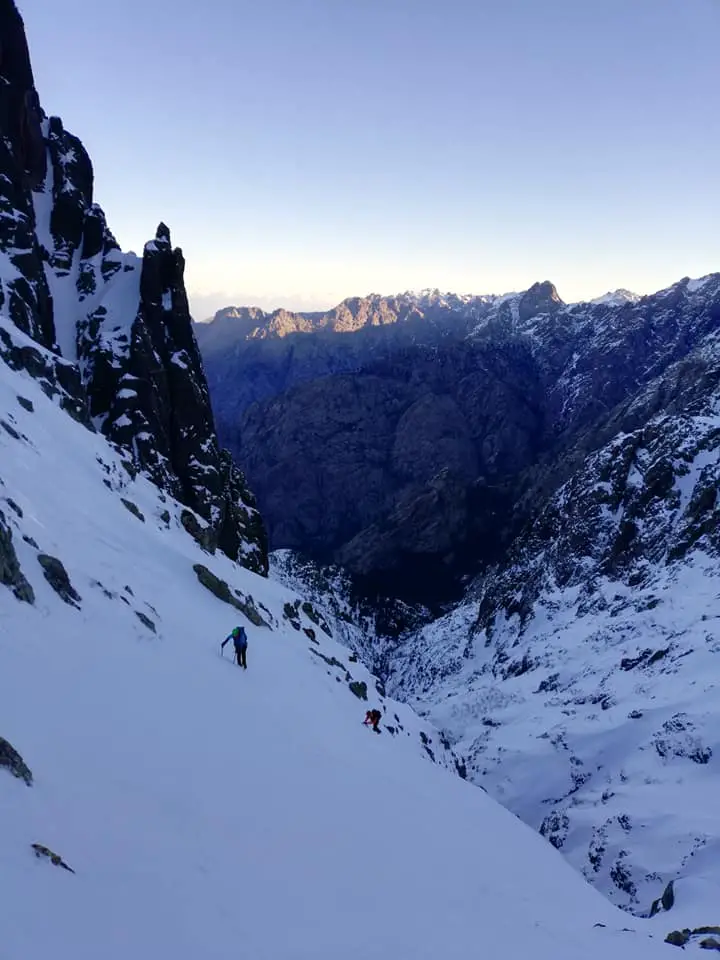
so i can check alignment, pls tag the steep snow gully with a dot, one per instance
(212, 812)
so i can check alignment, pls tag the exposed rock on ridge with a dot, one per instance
(10, 573)
(21, 114)
(23, 165)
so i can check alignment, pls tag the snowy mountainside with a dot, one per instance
(597, 356)
(167, 803)
(358, 623)
(578, 680)
(106, 483)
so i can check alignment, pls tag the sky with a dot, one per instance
(303, 151)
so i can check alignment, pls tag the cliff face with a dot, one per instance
(399, 472)
(127, 361)
(23, 166)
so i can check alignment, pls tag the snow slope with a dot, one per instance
(584, 695)
(598, 729)
(615, 298)
(214, 813)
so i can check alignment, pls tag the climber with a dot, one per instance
(240, 640)
(373, 717)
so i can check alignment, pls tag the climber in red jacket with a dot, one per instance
(372, 718)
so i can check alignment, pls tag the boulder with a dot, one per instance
(10, 573)
(57, 576)
(220, 589)
(11, 760)
(43, 852)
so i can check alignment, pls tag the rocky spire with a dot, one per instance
(23, 164)
(540, 298)
(21, 112)
(131, 362)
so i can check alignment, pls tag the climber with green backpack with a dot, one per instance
(240, 641)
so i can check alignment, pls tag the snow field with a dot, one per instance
(212, 812)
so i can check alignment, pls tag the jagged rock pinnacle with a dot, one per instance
(19, 102)
(540, 298)
(163, 232)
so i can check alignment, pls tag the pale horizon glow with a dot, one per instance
(303, 153)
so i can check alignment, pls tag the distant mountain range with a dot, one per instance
(417, 432)
(356, 313)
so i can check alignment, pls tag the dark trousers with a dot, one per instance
(241, 654)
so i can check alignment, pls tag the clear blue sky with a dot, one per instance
(302, 151)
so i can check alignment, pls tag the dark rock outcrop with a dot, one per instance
(146, 621)
(680, 938)
(11, 760)
(133, 509)
(387, 471)
(10, 573)
(154, 400)
(541, 298)
(43, 852)
(57, 576)
(21, 107)
(23, 165)
(220, 589)
(58, 379)
(359, 688)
